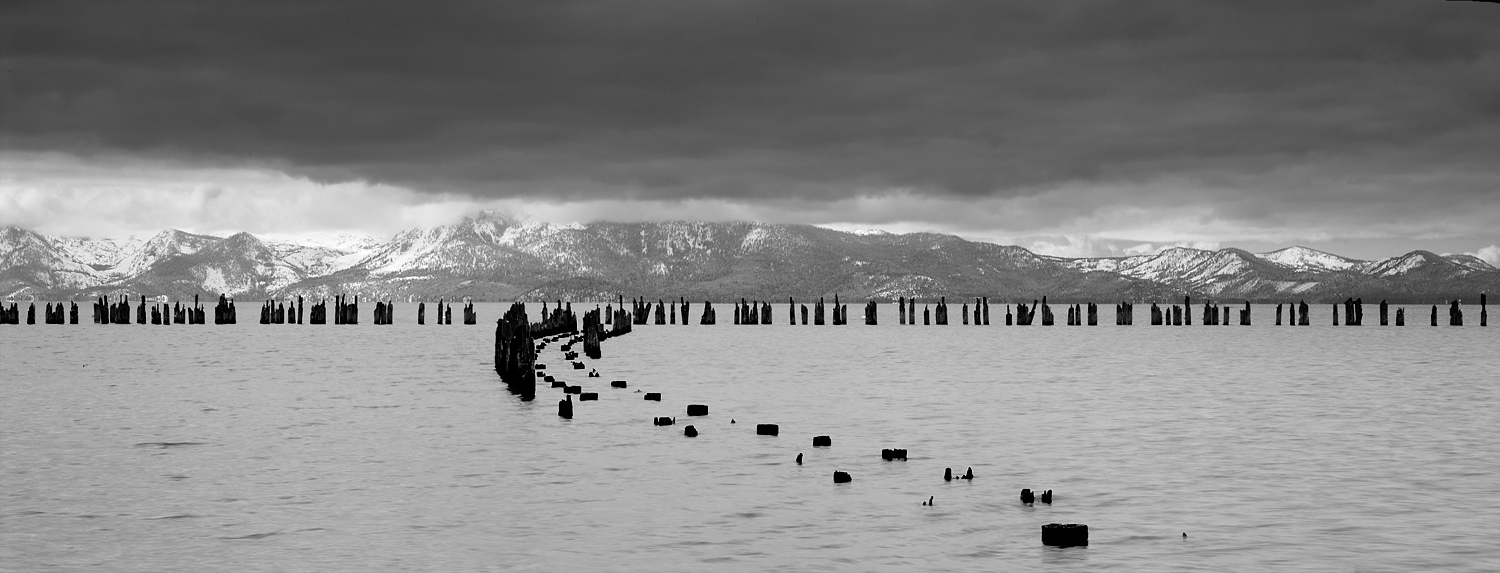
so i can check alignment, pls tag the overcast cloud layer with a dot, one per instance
(1368, 128)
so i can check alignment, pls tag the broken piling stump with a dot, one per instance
(1065, 535)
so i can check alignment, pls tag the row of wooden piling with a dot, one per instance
(1053, 534)
(346, 311)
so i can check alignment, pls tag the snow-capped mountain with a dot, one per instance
(1305, 259)
(495, 257)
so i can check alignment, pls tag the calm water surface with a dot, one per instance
(396, 448)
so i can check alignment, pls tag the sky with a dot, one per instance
(1079, 128)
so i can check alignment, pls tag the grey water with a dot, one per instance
(396, 448)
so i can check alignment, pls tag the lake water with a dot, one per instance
(397, 448)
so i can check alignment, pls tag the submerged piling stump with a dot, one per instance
(1065, 535)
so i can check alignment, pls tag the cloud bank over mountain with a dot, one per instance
(1352, 126)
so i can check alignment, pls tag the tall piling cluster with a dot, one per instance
(385, 313)
(224, 311)
(560, 320)
(515, 356)
(289, 312)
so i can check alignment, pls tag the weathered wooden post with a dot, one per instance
(1047, 318)
(1384, 309)
(1455, 314)
(1187, 304)
(661, 313)
(1245, 315)
(965, 310)
(765, 313)
(592, 332)
(1434, 315)
(708, 314)
(1484, 311)
(870, 313)
(1400, 317)
(901, 306)
(1302, 309)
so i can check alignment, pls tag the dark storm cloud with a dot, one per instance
(1293, 103)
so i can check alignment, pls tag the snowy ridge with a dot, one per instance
(1303, 258)
(495, 257)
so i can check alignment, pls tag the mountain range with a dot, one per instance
(496, 257)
